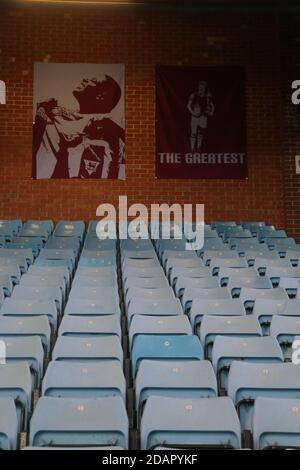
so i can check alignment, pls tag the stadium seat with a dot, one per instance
(104, 325)
(33, 243)
(8, 424)
(39, 305)
(69, 228)
(184, 283)
(89, 349)
(225, 274)
(160, 307)
(6, 284)
(223, 307)
(290, 284)
(261, 252)
(212, 326)
(248, 381)
(79, 422)
(145, 282)
(204, 423)
(235, 284)
(82, 380)
(173, 325)
(285, 329)
(226, 350)
(106, 306)
(190, 295)
(164, 347)
(276, 423)
(221, 253)
(217, 263)
(16, 382)
(178, 271)
(249, 296)
(165, 293)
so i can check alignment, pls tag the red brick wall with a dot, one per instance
(140, 39)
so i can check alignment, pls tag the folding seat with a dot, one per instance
(159, 307)
(23, 309)
(145, 282)
(48, 280)
(249, 296)
(18, 253)
(149, 294)
(35, 295)
(106, 325)
(174, 379)
(35, 229)
(215, 224)
(6, 231)
(75, 422)
(204, 423)
(76, 379)
(264, 309)
(140, 263)
(41, 271)
(24, 327)
(7, 259)
(80, 281)
(184, 283)
(16, 383)
(293, 255)
(248, 381)
(214, 293)
(63, 243)
(29, 349)
(51, 254)
(15, 225)
(219, 307)
(241, 245)
(208, 255)
(87, 349)
(276, 423)
(137, 245)
(11, 268)
(184, 254)
(97, 262)
(143, 254)
(180, 263)
(280, 245)
(270, 232)
(253, 349)
(8, 424)
(191, 272)
(253, 224)
(236, 232)
(241, 326)
(290, 284)
(33, 243)
(69, 228)
(47, 224)
(96, 244)
(285, 329)
(261, 252)
(107, 254)
(165, 347)
(172, 245)
(276, 272)
(209, 232)
(217, 263)
(225, 273)
(105, 306)
(143, 272)
(92, 293)
(104, 271)
(150, 325)
(235, 284)
(6, 284)
(212, 244)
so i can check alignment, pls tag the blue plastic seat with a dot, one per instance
(11, 268)
(63, 243)
(293, 255)
(281, 245)
(248, 381)
(233, 326)
(138, 255)
(25, 309)
(249, 296)
(8, 424)
(104, 325)
(38, 294)
(16, 383)
(213, 244)
(81, 281)
(184, 283)
(191, 294)
(143, 272)
(290, 284)
(223, 307)
(149, 294)
(174, 379)
(228, 349)
(225, 274)
(94, 292)
(35, 229)
(160, 307)
(177, 272)
(217, 263)
(60, 271)
(101, 262)
(27, 326)
(29, 349)
(79, 422)
(23, 255)
(241, 245)
(219, 253)
(144, 324)
(15, 224)
(69, 228)
(37, 224)
(47, 280)
(261, 264)
(145, 282)
(204, 423)
(275, 273)
(253, 225)
(164, 347)
(88, 349)
(235, 284)
(261, 252)
(237, 232)
(270, 232)
(33, 243)
(82, 380)
(105, 306)
(276, 423)
(285, 329)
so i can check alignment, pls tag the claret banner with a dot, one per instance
(79, 121)
(200, 122)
